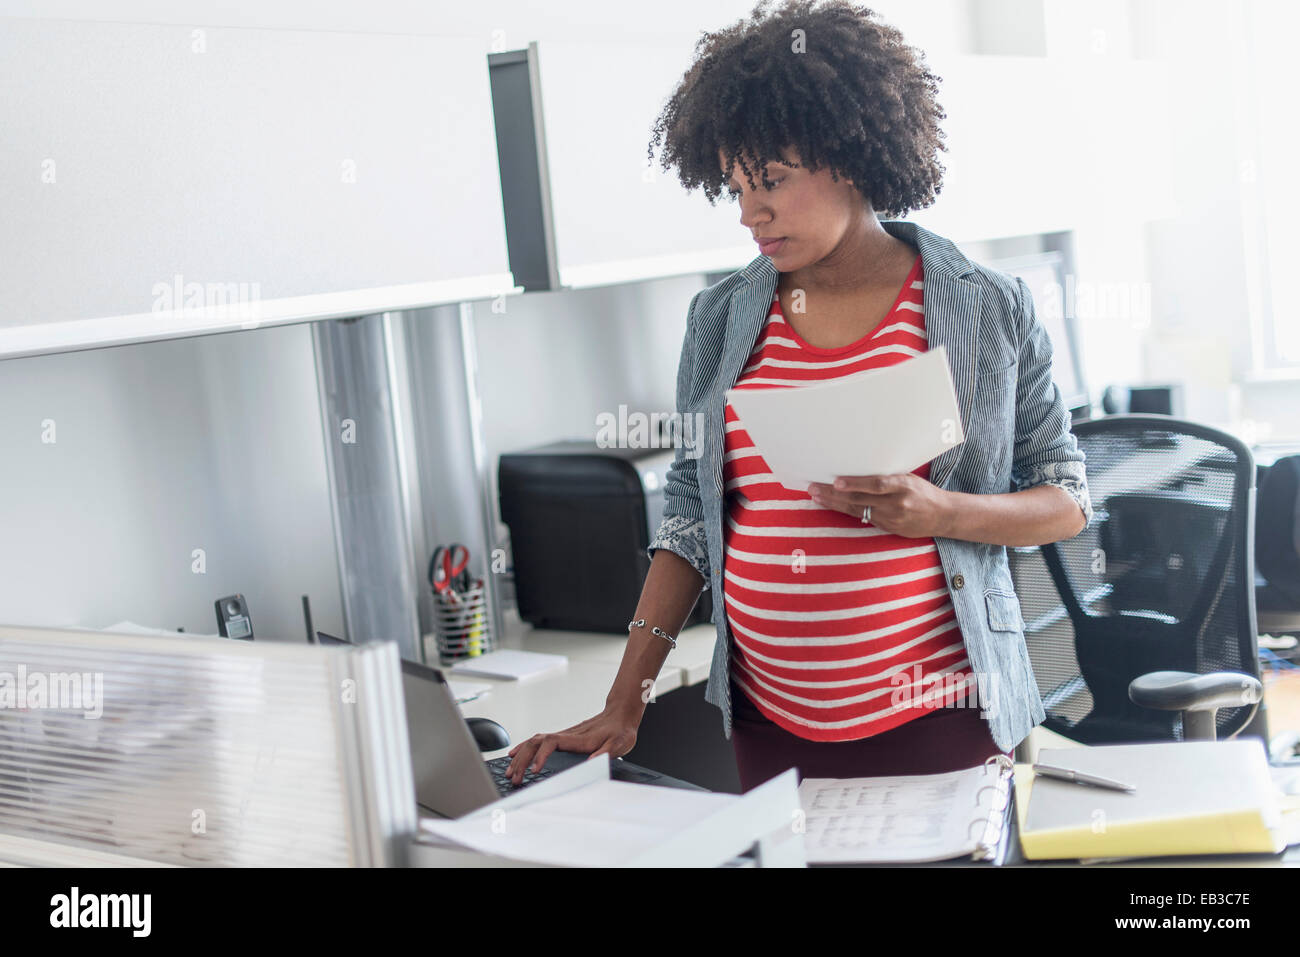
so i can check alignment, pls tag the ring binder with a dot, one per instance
(910, 818)
(998, 813)
(998, 793)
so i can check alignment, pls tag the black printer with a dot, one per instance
(580, 519)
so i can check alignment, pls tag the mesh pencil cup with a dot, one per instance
(460, 624)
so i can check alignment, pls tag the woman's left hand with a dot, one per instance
(903, 504)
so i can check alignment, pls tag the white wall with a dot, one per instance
(552, 362)
(211, 443)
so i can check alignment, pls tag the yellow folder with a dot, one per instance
(1193, 797)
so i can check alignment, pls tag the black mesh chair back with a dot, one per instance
(1276, 517)
(1162, 579)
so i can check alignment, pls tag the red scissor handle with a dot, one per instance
(448, 562)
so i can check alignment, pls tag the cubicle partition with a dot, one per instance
(163, 180)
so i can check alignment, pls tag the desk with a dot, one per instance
(558, 701)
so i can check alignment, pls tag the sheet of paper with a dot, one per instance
(924, 817)
(511, 664)
(464, 691)
(881, 422)
(601, 824)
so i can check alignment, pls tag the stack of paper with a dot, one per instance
(580, 818)
(604, 824)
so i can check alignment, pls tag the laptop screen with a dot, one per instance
(450, 777)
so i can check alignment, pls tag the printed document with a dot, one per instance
(880, 422)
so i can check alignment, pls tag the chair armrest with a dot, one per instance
(1188, 691)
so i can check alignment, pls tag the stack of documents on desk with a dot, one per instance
(1192, 797)
(580, 818)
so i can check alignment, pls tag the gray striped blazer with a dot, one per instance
(1001, 361)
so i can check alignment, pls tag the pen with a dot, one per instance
(1078, 777)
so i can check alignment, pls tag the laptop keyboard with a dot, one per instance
(497, 767)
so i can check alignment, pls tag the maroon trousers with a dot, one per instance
(945, 739)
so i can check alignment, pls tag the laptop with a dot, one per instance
(451, 777)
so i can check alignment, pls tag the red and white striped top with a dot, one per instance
(824, 609)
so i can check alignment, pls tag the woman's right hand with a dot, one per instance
(612, 731)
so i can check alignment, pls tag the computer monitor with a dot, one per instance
(1045, 275)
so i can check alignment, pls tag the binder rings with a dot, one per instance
(909, 819)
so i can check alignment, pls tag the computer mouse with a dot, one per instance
(488, 735)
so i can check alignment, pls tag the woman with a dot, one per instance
(869, 627)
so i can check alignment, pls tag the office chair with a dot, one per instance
(1142, 627)
(1277, 548)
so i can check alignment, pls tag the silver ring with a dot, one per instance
(866, 515)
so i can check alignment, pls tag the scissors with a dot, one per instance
(447, 570)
